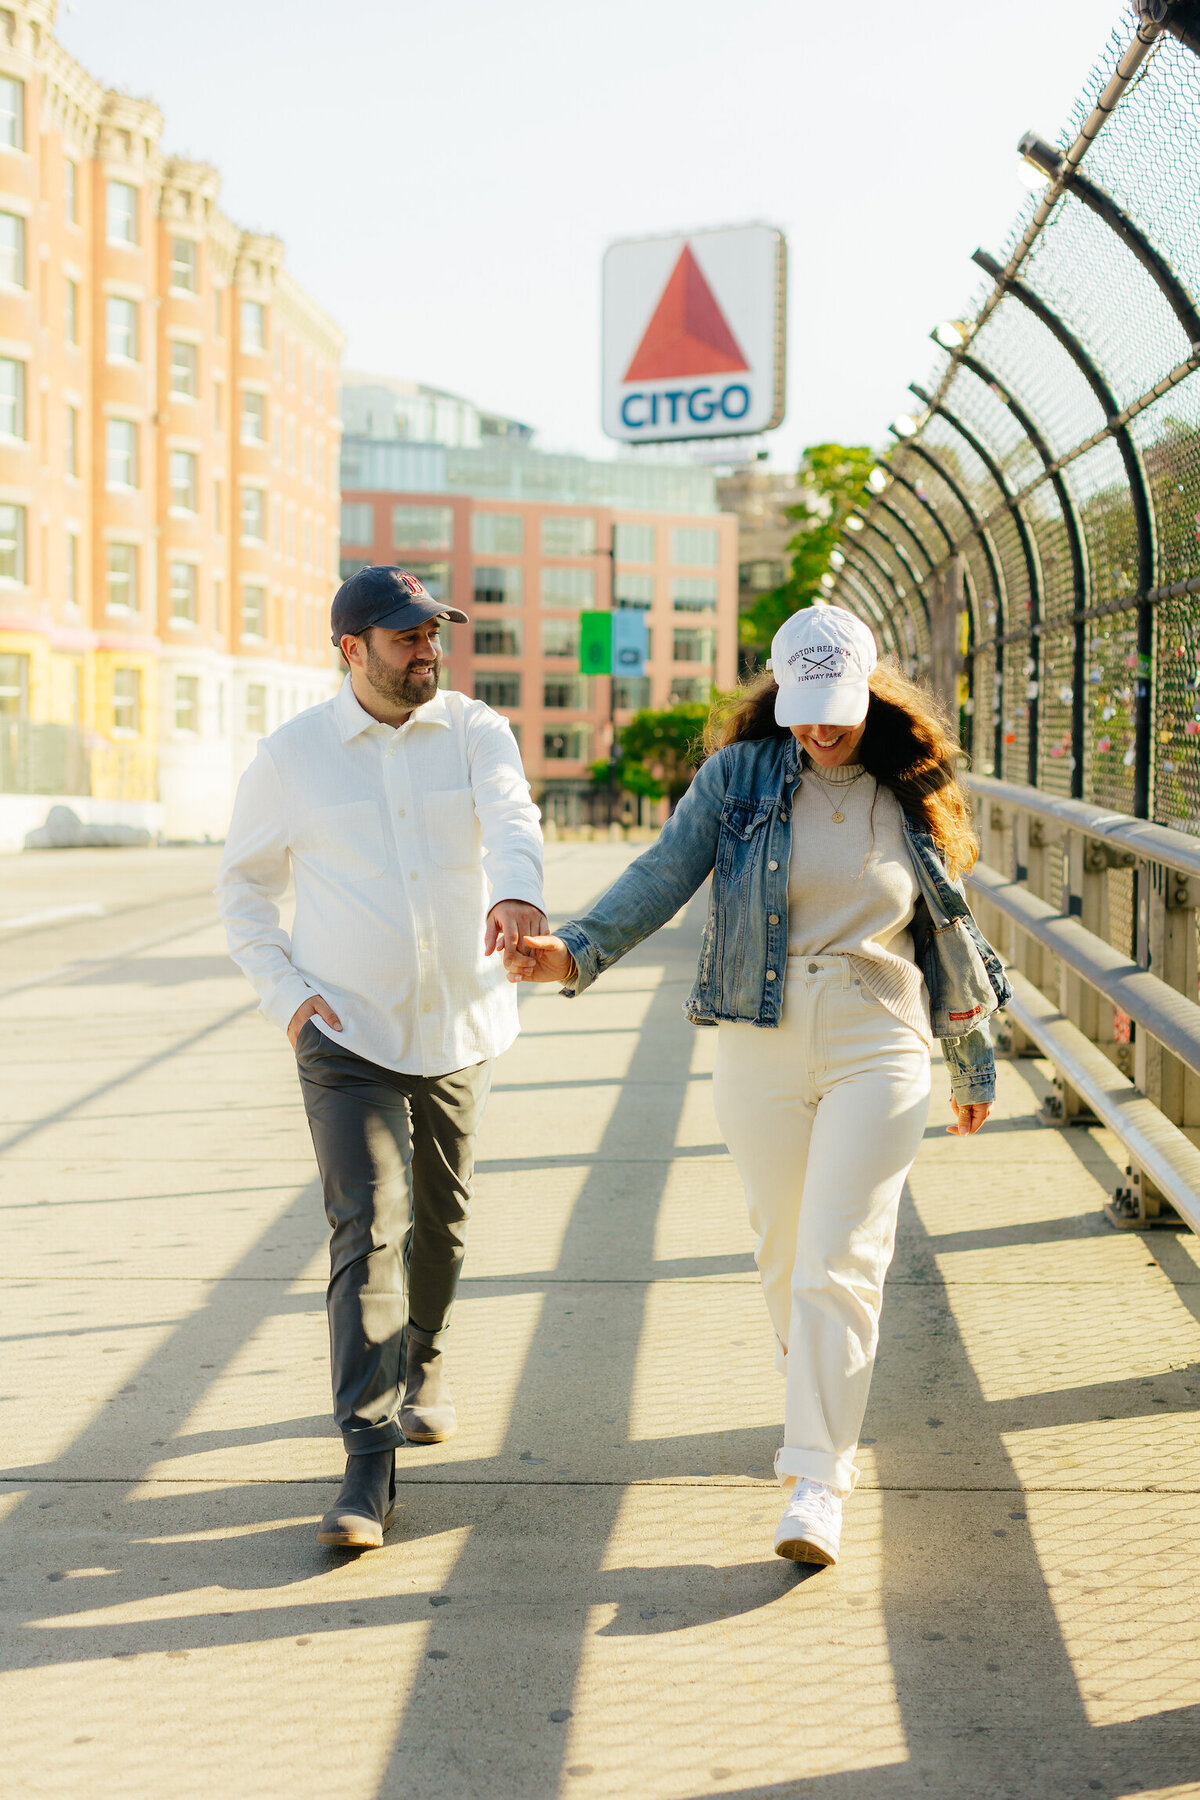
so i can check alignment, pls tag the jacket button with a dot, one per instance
(772, 918)
(772, 865)
(770, 974)
(783, 817)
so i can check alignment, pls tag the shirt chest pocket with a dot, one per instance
(451, 828)
(344, 841)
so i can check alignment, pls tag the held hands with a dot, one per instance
(304, 1012)
(967, 1119)
(538, 959)
(507, 924)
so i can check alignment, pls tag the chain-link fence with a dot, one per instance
(1032, 539)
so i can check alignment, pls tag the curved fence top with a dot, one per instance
(1032, 537)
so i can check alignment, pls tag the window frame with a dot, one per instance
(134, 455)
(128, 242)
(18, 575)
(20, 432)
(132, 575)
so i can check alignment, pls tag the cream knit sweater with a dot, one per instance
(851, 887)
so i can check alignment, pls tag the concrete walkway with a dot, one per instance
(580, 1595)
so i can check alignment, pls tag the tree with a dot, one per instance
(659, 753)
(833, 480)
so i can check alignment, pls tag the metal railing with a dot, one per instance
(1031, 541)
(1096, 914)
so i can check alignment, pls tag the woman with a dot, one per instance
(831, 819)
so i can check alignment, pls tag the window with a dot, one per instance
(695, 545)
(12, 249)
(569, 743)
(290, 437)
(71, 191)
(565, 691)
(218, 312)
(187, 703)
(497, 533)
(631, 693)
(12, 113)
(219, 617)
(121, 329)
(499, 637)
(120, 453)
(560, 637)
(122, 578)
(71, 312)
(14, 683)
(184, 265)
(184, 590)
(694, 593)
(122, 213)
(185, 369)
(686, 690)
(254, 417)
(501, 689)
(435, 577)
(422, 527)
(71, 448)
(254, 325)
(568, 587)
(568, 536)
(12, 543)
(183, 480)
(634, 591)
(306, 461)
(635, 543)
(499, 586)
(254, 611)
(760, 577)
(358, 522)
(256, 708)
(127, 702)
(691, 646)
(254, 514)
(72, 569)
(12, 398)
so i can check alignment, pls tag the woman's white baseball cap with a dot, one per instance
(821, 658)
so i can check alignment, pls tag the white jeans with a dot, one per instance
(823, 1117)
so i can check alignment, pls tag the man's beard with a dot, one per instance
(399, 685)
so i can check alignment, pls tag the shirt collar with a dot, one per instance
(353, 721)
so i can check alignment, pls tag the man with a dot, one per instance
(403, 815)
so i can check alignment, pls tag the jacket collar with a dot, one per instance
(352, 721)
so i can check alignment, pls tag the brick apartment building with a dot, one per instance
(520, 539)
(169, 436)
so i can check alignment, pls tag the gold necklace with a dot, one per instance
(837, 816)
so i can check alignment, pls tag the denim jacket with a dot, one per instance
(734, 823)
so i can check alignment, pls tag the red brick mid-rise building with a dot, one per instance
(523, 541)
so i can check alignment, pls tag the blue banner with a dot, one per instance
(630, 643)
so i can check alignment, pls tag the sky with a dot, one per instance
(446, 176)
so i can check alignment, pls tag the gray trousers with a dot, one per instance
(396, 1155)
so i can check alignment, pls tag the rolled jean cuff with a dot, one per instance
(428, 1340)
(363, 1439)
(837, 1472)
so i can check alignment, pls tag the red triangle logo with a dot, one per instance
(689, 334)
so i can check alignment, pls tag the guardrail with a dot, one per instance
(1096, 913)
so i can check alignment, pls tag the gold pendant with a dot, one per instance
(839, 818)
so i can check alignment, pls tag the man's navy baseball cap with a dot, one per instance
(385, 596)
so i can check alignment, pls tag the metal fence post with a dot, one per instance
(1085, 880)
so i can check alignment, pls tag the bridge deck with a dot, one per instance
(580, 1595)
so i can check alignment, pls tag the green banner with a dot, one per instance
(595, 643)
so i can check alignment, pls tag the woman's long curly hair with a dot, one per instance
(908, 746)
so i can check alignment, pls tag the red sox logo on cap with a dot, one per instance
(412, 586)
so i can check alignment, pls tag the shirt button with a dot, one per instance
(772, 865)
(427, 1008)
(413, 875)
(772, 918)
(812, 968)
(400, 812)
(770, 974)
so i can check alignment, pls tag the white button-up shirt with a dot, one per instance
(399, 841)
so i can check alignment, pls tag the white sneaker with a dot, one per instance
(811, 1527)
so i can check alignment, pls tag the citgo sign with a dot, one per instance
(694, 335)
